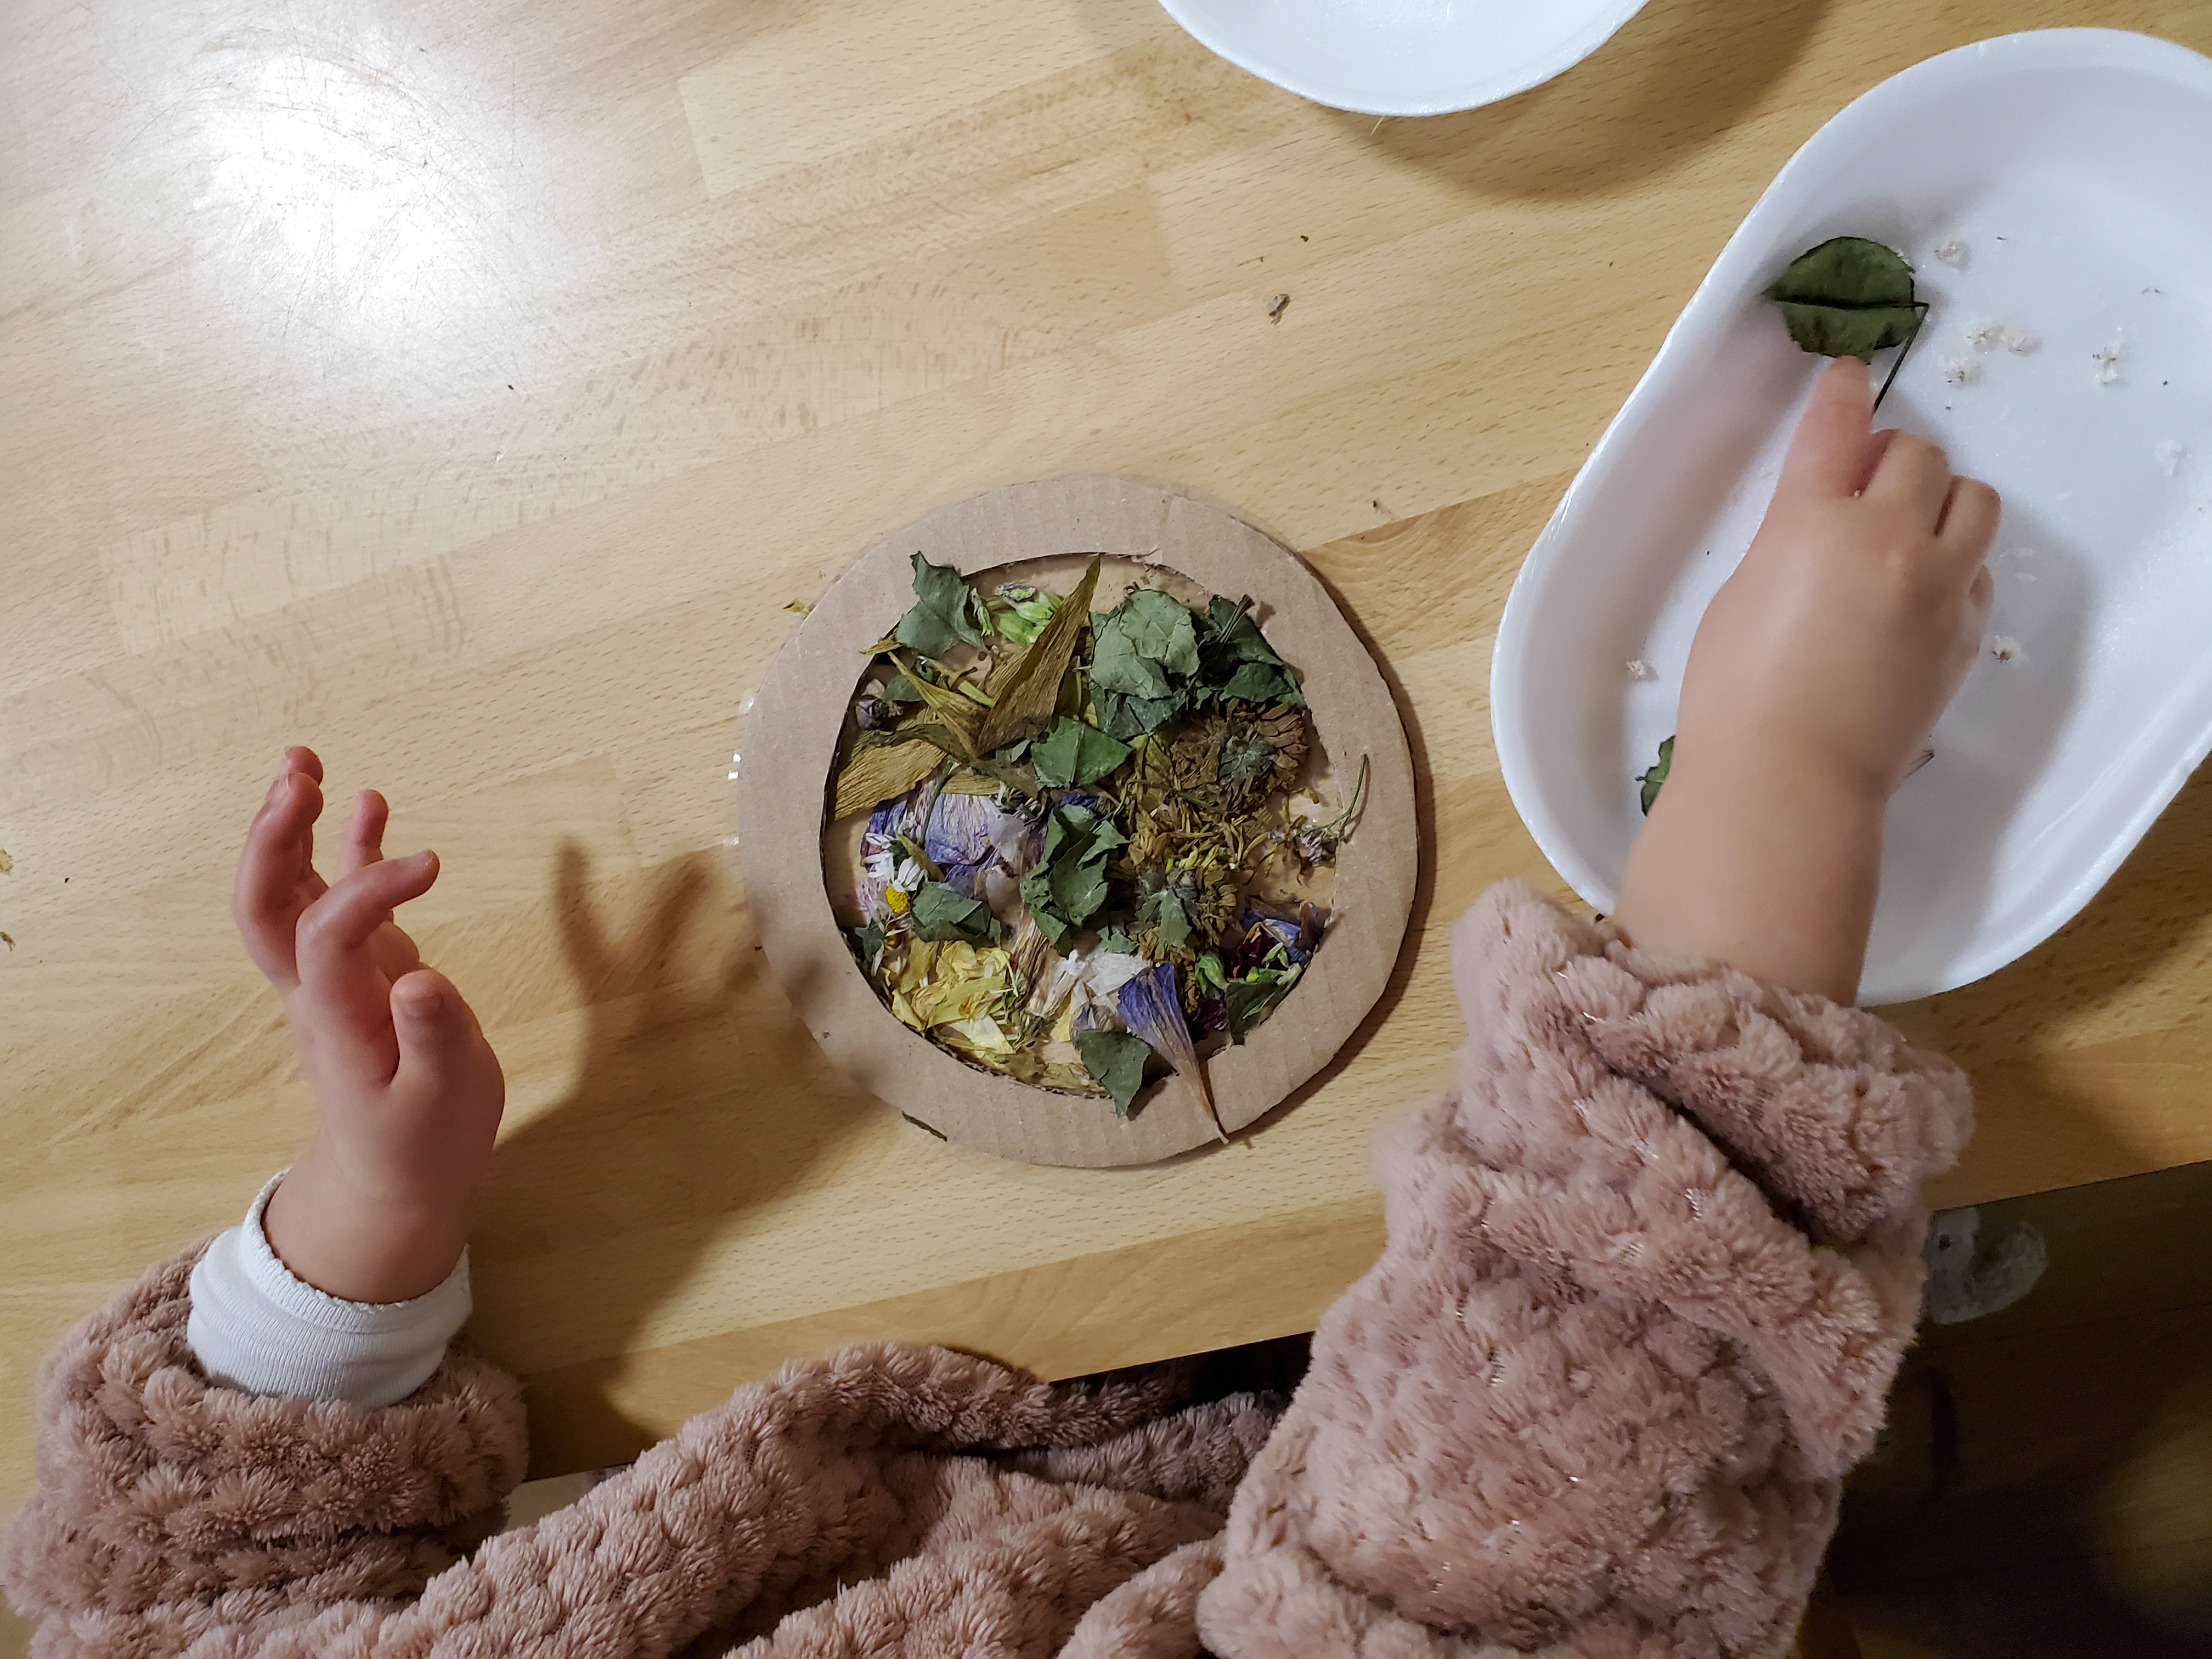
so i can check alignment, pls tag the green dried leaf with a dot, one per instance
(942, 913)
(1116, 1061)
(1264, 681)
(1126, 719)
(1026, 698)
(1138, 644)
(871, 941)
(1116, 666)
(1849, 297)
(1067, 884)
(1656, 779)
(1022, 612)
(1163, 912)
(1075, 754)
(946, 610)
(1247, 1001)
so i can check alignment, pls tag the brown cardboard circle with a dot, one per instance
(791, 745)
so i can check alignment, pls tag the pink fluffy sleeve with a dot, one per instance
(1652, 1264)
(170, 1511)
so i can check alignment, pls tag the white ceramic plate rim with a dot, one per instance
(1368, 98)
(1745, 254)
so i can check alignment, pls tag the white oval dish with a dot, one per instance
(1403, 56)
(2071, 166)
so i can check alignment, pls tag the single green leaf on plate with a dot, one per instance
(1656, 779)
(941, 913)
(1115, 1060)
(946, 610)
(1024, 698)
(1849, 297)
(1074, 753)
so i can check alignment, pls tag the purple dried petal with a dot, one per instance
(1150, 1004)
(962, 828)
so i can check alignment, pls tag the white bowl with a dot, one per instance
(2071, 164)
(1403, 56)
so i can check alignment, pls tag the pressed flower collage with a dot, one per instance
(1081, 842)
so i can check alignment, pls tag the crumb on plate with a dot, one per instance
(1640, 670)
(2107, 361)
(1953, 253)
(2167, 453)
(2005, 648)
(1960, 371)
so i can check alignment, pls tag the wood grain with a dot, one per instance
(466, 389)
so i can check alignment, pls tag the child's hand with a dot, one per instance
(1858, 609)
(1817, 670)
(376, 1208)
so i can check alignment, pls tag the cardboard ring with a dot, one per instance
(791, 747)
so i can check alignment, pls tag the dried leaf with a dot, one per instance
(1025, 699)
(942, 914)
(1075, 754)
(1067, 885)
(1116, 1059)
(946, 610)
(1125, 719)
(878, 774)
(1246, 1002)
(1656, 779)
(1849, 297)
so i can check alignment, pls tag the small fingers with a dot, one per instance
(342, 921)
(1828, 456)
(363, 843)
(277, 873)
(1969, 521)
(1913, 476)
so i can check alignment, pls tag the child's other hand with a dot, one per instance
(1859, 608)
(1817, 672)
(376, 1208)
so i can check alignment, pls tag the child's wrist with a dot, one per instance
(360, 1247)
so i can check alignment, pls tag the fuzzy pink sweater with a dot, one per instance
(1652, 1263)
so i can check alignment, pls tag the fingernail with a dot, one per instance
(425, 1002)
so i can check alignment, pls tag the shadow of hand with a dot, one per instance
(699, 1094)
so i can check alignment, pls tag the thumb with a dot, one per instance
(440, 1046)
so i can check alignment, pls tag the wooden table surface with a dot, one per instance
(467, 388)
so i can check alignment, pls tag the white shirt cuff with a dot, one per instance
(255, 1327)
